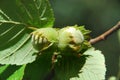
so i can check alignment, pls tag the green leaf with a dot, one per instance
(39, 12)
(36, 13)
(18, 74)
(40, 68)
(15, 41)
(2, 68)
(11, 72)
(90, 66)
(16, 47)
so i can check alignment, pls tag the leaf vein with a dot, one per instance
(16, 48)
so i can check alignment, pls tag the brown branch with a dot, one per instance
(106, 34)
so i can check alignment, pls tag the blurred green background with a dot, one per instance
(98, 16)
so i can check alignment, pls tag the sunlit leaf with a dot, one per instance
(2, 68)
(90, 66)
(15, 42)
(11, 72)
(18, 74)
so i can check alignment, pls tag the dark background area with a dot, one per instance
(98, 16)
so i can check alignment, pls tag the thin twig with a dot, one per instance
(106, 34)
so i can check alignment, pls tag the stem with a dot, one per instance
(19, 23)
(106, 34)
(52, 72)
(50, 75)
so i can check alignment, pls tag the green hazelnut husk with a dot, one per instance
(70, 38)
(44, 38)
